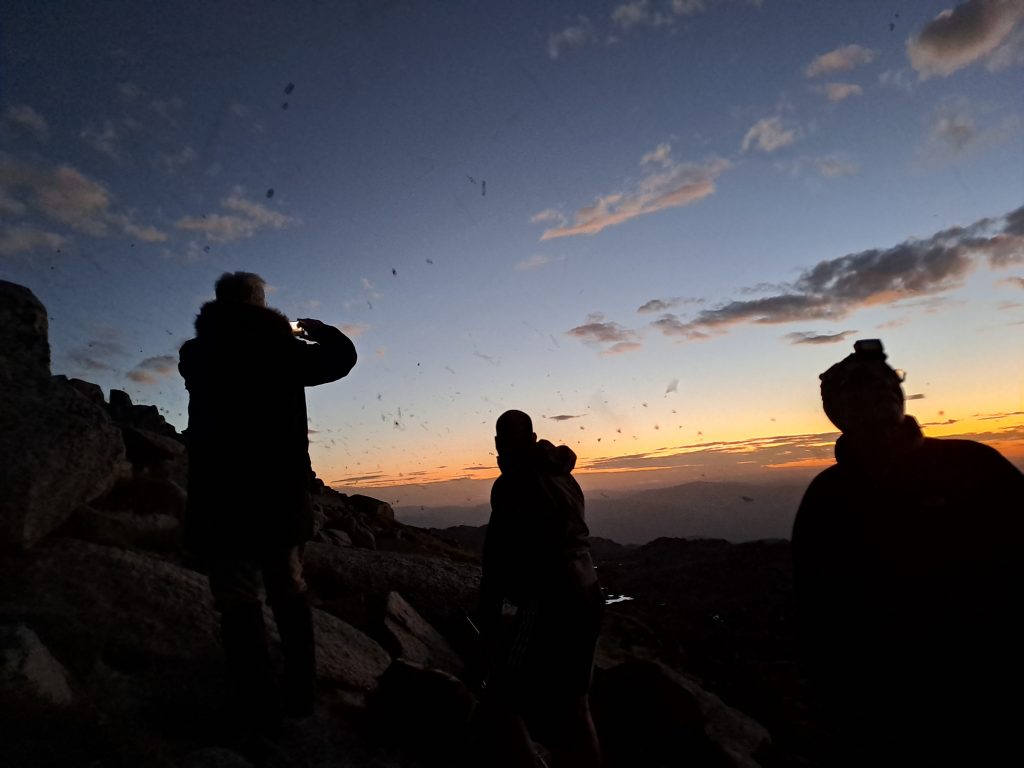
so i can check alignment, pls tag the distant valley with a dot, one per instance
(735, 511)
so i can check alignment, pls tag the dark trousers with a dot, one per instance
(236, 583)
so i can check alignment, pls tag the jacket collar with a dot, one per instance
(878, 458)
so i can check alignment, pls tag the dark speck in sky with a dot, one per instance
(270, 193)
(289, 88)
(206, 249)
(430, 261)
(284, 105)
(483, 189)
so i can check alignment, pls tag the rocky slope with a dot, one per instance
(109, 651)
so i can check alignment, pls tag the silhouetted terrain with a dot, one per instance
(734, 511)
(109, 650)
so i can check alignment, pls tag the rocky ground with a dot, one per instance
(109, 651)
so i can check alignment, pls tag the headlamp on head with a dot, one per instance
(867, 361)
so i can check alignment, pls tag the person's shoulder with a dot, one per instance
(966, 453)
(824, 489)
(825, 481)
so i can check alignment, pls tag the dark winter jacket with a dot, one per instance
(908, 571)
(249, 468)
(536, 547)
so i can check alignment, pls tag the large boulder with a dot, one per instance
(58, 447)
(23, 338)
(58, 450)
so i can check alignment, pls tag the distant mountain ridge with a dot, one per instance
(734, 511)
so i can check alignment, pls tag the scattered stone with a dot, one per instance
(407, 635)
(29, 672)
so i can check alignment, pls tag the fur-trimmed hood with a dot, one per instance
(232, 319)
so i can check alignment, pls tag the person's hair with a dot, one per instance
(241, 287)
(513, 434)
(514, 424)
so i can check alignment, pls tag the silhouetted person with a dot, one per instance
(537, 557)
(249, 512)
(907, 556)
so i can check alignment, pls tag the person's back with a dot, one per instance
(907, 580)
(248, 510)
(537, 557)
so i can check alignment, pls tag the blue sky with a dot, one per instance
(485, 195)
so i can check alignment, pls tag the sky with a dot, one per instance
(649, 224)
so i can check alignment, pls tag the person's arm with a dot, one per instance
(330, 357)
(492, 598)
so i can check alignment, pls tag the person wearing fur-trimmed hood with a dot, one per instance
(249, 511)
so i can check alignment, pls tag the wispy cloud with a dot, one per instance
(662, 305)
(129, 91)
(104, 139)
(149, 370)
(834, 288)
(671, 185)
(573, 36)
(809, 337)
(639, 13)
(837, 92)
(1015, 282)
(621, 348)
(768, 135)
(247, 217)
(953, 126)
(66, 196)
(172, 161)
(26, 239)
(96, 355)
(627, 18)
(23, 120)
(354, 329)
(956, 129)
(660, 155)
(536, 261)
(901, 79)
(841, 59)
(973, 31)
(599, 331)
(834, 166)
(548, 215)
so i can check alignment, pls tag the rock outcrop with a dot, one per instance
(58, 448)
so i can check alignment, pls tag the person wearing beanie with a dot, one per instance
(909, 583)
